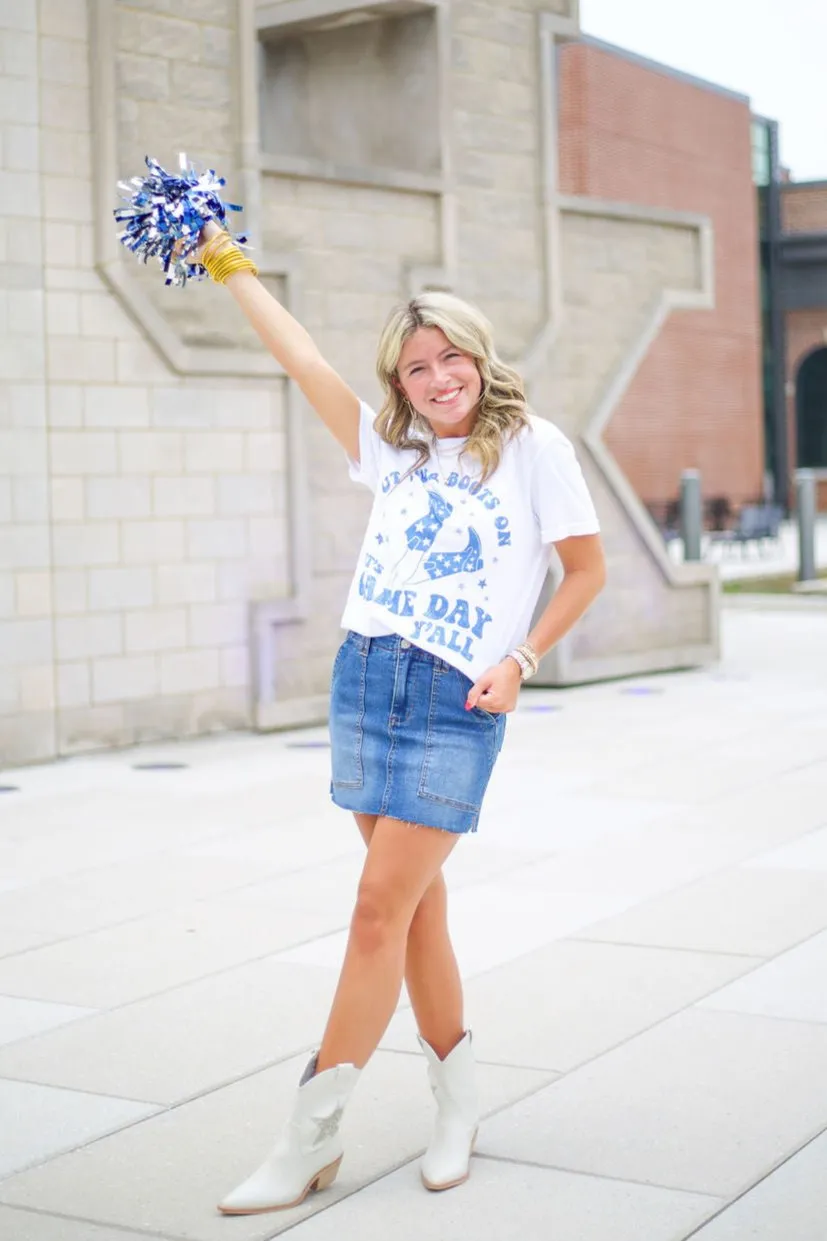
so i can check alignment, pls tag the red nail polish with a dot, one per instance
(468, 706)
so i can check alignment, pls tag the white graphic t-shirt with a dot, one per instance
(456, 566)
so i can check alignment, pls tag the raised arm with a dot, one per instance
(293, 347)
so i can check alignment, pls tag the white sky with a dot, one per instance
(774, 51)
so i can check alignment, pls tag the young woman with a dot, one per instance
(471, 491)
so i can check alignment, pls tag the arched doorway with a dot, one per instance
(811, 411)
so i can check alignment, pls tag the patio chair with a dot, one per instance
(757, 524)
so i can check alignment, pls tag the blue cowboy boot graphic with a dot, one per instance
(420, 537)
(447, 564)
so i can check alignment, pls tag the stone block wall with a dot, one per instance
(366, 237)
(176, 533)
(27, 642)
(140, 511)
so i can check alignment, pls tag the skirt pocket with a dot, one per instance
(461, 746)
(347, 714)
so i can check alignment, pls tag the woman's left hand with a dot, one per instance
(497, 690)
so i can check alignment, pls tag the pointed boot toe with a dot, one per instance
(447, 1161)
(309, 1152)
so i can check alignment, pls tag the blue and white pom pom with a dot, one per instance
(166, 213)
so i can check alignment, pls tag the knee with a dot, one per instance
(378, 919)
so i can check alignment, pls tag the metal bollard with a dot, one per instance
(691, 514)
(805, 491)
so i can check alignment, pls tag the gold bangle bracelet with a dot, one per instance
(216, 261)
(214, 246)
(225, 247)
(217, 266)
(229, 265)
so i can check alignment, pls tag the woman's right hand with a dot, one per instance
(211, 229)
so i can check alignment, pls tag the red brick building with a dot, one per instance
(637, 132)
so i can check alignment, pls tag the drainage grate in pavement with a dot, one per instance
(308, 745)
(160, 766)
(9, 788)
(542, 708)
(642, 691)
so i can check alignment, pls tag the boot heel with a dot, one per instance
(447, 1161)
(307, 1155)
(327, 1175)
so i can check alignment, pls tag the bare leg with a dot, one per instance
(402, 861)
(432, 974)
(431, 971)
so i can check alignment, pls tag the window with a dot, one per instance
(761, 153)
(811, 402)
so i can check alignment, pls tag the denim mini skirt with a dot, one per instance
(402, 742)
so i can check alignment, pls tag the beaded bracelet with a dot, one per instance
(526, 649)
(526, 659)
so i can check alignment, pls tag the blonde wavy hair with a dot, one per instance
(502, 410)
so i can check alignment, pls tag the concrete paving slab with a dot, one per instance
(679, 1106)
(11, 885)
(328, 888)
(581, 999)
(281, 848)
(807, 852)
(771, 812)
(789, 1205)
(151, 955)
(551, 821)
(40, 1121)
(746, 910)
(111, 895)
(55, 810)
(21, 939)
(797, 746)
(46, 840)
(19, 1225)
(668, 805)
(793, 986)
(191, 1039)
(713, 773)
(22, 1018)
(511, 1202)
(166, 1175)
(638, 863)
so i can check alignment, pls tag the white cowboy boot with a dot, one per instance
(447, 1159)
(309, 1151)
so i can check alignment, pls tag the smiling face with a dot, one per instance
(441, 382)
